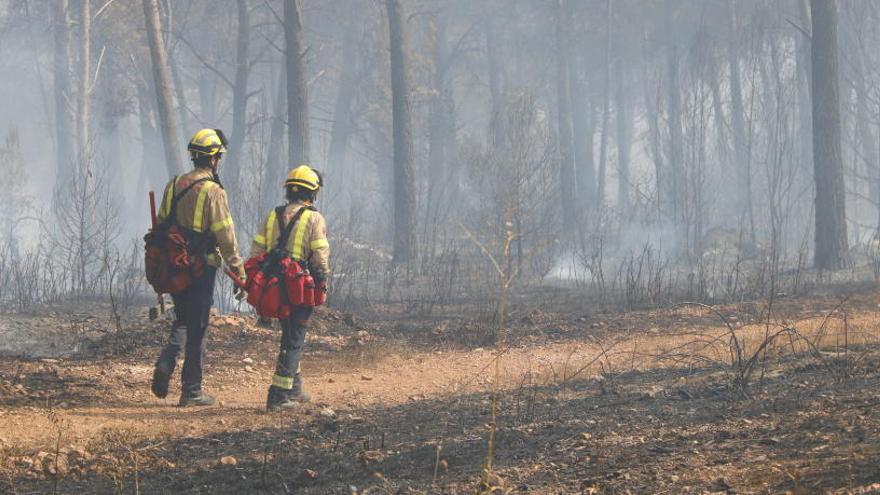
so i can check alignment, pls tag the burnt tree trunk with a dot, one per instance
(565, 132)
(624, 139)
(297, 90)
(404, 174)
(275, 153)
(83, 117)
(164, 88)
(239, 96)
(676, 138)
(441, 127)
(63, 121)
(831, 241)
(606, 113)
(343, 124)
(495, 68)
(737, 121)
(583, 128)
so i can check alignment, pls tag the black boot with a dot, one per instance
(278, 399)
(161, 377)
(196, 399)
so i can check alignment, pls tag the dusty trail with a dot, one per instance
(113, 394)
(121, 399)
(368, 383)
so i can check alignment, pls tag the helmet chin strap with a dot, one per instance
(215, 173)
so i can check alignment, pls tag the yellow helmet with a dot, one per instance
(304, 176)
(207, 142)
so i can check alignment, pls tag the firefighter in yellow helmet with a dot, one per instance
(308, 246)
(202, 212)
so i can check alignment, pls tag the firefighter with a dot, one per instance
(203, 214)
(308, 246)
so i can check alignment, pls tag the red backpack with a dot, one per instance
(276, 284)
(173, 255)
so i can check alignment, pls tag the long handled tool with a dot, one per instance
(235, 279)
(155, 221)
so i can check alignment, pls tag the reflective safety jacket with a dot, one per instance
(204, 209)
(307, 243)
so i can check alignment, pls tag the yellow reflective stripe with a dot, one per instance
(200, 206)
(284, 382)
(169, 196)
(260, 239)
(221, 225)
(270, 228)
(318, 244)
(213, 259)
(299, 238)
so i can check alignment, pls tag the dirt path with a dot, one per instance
(644, 421)
(120, 398)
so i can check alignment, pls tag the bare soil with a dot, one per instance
(638, 402)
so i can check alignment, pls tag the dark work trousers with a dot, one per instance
(293, 337)
(192, 308)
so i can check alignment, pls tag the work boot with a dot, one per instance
(161, 377)
(279, 399)
(197, 399)
(297, 393)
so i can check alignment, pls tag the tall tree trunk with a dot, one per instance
(495, 68)
(563, 95)
(606, 112)
(276, 152)
(163, 86)
(239, 97)
(737, 121)
(441, 126)
(404, 174)
(343, 125)
(63, 121)
(83, 117)
(297, 90)
(624, 138)
(180, 93)
(831, 241)
(676, 138)
(583, 127)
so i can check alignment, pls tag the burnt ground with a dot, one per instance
(604, 403)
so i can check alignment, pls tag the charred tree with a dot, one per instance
(737, 121)
(441, 123)
(831, 241)
(83, 117)
(404, 173)
(297, 89)
(343, 124)
(676, 138)
(495, 68)
(276, 152)
(606, 112)
(239, 95)
(63, 121)
(624, 138)
(563, 110)
(163, 87)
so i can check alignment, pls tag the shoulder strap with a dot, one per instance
(286, 229)
(177, 197)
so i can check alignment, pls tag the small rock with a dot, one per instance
(328, 412)
(247, 360)
(228, 460)
(310, 474)
(249, 369)
(366, 377)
